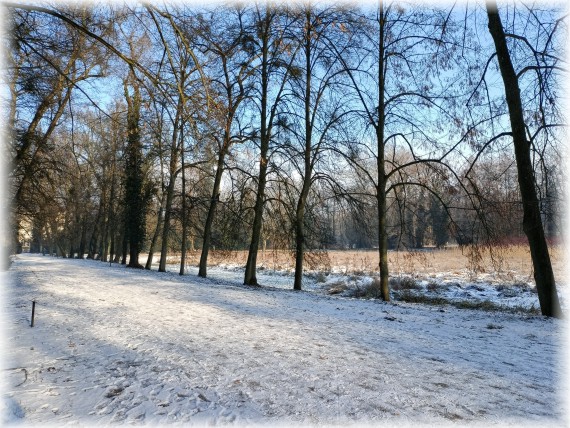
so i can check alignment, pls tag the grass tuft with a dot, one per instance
(404, 283)
(492, 326)
(409, 297)
(369, 291)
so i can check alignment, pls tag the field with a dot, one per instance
(509, 263)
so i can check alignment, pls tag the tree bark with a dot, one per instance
(381, 186)
(300, 239)
(125, 248)
(203, 269)
(301, 203)
(184, 207)
(135, 203)
(170, 189)
(93, 242)
(83, 240)
(532, 221)
(251, 265)
(148, 264)
(161, 208)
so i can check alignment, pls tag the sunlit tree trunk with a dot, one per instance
(155, 235)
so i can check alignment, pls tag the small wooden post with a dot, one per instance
(33, 312)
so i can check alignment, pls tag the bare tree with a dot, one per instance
(47, 69)
(313, 85)
(276, 54)
(398, 68)
(230, 73)
(532, 222)
(178, 75)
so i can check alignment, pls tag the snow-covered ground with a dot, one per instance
(115, 345)
(517, 292)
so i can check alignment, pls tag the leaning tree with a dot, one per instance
(532, 114)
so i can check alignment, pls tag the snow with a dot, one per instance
(115, 345)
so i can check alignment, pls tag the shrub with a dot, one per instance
(369, 291)
(337, 287)
(372, 290)
(432, 286)
(320, 277)
(404, 283)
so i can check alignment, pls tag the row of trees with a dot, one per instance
(162, 129)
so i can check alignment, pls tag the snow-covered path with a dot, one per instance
(112, 344)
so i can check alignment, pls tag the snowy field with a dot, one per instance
(113, 345)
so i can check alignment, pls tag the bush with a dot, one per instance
(369, 291)
(320, 277)
(404, 283)
(432, 286)
(372, 290)
(337, 287)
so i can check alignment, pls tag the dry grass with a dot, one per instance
(509, 263)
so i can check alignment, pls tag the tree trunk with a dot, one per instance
(532, 222)
(383, 242)
(166, 224)
(111, 216)
(161, 209)
(135, 200)
(93, 242)
(104, 241)
(251, 265)
(170, 188)
(27, 139)
(83, 241)
(184, 208)
(125, 248)
(381, 189)
(203, 269)
(300, 212)
(148, 264)
(300, 240)
(112, 247)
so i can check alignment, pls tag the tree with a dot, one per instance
(230, 88)
(313, 86)
(47, 69)
(532, 221)
(136, 196)
(400, 80)
(439, 222)
(268, 36)
(177, 98)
